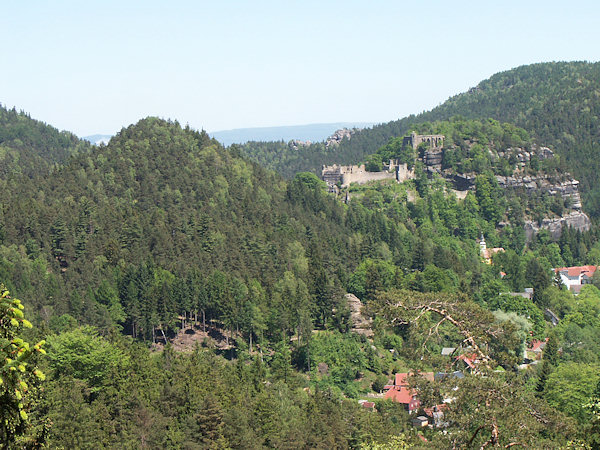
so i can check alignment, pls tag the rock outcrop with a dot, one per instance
(360, 323)
(433, 158)
(339, 135)
(576, 219)
(432, 151)
(295, 144)
(566, 188)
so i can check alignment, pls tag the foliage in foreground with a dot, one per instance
(19, 375)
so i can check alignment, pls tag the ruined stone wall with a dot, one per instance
(344, 175)
(434, 140)
(403, 173)
(332, 174)
(358, 174)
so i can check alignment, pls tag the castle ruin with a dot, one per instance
(435, 141)
(344, 175)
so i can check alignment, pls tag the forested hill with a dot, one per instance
(31, 147)
(164, 202)
(557, 103)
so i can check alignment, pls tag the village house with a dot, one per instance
(436, 415)
(487, 253)
(400, 392)
(370, 406)
(574, 278)
(538, 346)
(535, 349)
(468, 362)
(420, 422)
(457, 374)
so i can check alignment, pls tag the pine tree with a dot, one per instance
(545, 372)
(551, 351)
(209, 421)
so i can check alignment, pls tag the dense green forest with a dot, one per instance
(31, 147)
(120, 253)
(557, 103)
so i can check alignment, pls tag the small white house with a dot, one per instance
(575, 277)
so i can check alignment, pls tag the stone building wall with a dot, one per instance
(358, 174)
(434, 140)
(344, 175)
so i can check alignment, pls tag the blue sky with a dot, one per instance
(96, 66)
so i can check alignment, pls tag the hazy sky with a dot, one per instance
(96, 66)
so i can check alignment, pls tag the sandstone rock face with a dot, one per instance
(295, 144)
(339, 135)
(433, 158)
(567, 187)
(360, 323)
(576, 219)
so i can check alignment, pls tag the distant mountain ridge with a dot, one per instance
(315, 132)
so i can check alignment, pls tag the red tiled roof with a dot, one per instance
(489, 252)
(429, 411)
(403, 396)
(400, 395)
(429, 376)
(468, 359)
(368, 405)
(537, 345)
(400, 379)
(577, 271)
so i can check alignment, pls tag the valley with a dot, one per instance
(428, 282)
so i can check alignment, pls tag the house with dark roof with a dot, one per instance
(553, 318)
(420, 422)
(457, 374)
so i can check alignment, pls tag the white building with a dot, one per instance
(575, 277)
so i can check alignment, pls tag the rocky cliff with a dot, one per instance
(576, 219)
(566, 186)
(339, 135)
